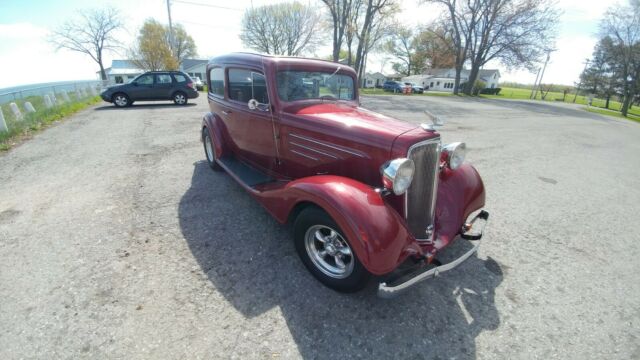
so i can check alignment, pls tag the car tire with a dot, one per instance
(180, 98)
(209, 150)
(121, 100)
(326, 252)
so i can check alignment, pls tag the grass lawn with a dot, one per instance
(33, 122)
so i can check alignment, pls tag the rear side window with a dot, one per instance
(180, 78)
(163, 79)
(216, 77)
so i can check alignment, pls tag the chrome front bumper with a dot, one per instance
(473, 234)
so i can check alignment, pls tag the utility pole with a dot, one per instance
(535, 93)
(586, 63)
(535, 83)
(170, 25)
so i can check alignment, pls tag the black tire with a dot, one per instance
(121, 100)
(180, 98)
(311, 220)
(211, 161)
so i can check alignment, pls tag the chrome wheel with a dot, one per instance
(180, 99)
(209, 148)
(329, 252)
(121, 100)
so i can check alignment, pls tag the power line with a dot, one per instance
(208, 5)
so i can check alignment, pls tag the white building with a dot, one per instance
(444, 79)
(374, 80)
(195, 68)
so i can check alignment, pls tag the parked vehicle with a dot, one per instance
(153, 85)
(366, 194)
(198, 83)
(415, 88)
(394, 86)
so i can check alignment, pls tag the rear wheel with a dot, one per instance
(180, 98)
(121, 100)
(209, 150)
(327, 253)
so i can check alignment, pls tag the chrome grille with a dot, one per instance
(420, 199)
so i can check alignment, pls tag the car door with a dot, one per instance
(163, 86)
(142, 88)
(252, 131)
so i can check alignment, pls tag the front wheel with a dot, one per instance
(121, 100)
(327, 253)
(180, 98)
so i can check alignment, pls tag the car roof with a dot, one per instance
(260, 60)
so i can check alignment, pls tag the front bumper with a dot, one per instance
(473, 233)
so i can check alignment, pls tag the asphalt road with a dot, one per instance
(117, 241)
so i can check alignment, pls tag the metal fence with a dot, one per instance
(17, 104)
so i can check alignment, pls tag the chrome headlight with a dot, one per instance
(454, 154)
(397, 175)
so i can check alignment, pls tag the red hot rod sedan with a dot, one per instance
(366, 193)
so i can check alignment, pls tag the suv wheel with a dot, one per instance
(180, 98)
(326, 252)
(121, 100)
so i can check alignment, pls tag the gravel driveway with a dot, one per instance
(117, 241)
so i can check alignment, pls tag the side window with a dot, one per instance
(216, 77)
(259, 89)
(163, 79)
(180, 78)
(145, 80)
(240, 85)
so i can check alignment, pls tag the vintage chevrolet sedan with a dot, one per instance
(369, 196)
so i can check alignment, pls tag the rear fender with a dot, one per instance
(215, 126)
(374, 229)
(460, 192)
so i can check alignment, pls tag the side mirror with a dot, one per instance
(253, 104)
(134, 83)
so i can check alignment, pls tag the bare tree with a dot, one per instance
(340, 12)
(402, 45)
(374, 13)
(622, 25)
(92, 34)
(281, 29)
(518, 33)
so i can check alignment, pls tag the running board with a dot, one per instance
(248, 175)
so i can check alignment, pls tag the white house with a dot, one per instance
(374, 80)
(123, 71)
(444, 79)
(195, 68)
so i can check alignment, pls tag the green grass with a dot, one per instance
(613, 113)
(34, 122)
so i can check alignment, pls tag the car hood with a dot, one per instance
(348, 118)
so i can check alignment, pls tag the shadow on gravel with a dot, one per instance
(147, 106)
(251, 261)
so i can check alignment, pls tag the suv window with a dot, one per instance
(216, 77)
(180, 78)
(245, 85)
(145, 80)
(163, 79)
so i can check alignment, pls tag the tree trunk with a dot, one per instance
(103, 74)
(606, 104)
(473, 76)
(626, 103)
(364, 34)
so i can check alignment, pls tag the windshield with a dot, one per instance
(300, 85)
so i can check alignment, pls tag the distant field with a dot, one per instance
(520, 93)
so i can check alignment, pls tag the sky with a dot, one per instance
(27, 58)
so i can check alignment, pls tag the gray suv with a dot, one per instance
(153, 85)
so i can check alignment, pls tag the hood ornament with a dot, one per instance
(435, 121)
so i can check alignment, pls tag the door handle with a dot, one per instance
(224, 112)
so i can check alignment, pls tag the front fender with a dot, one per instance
(374, 229)
(460, 192)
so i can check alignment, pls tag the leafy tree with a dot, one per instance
(600, 77)
(281, 29)
(621, 25)
(154, 49)
(93, 34)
